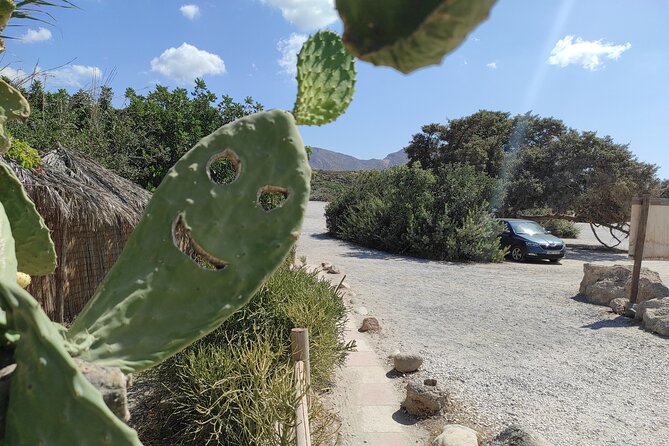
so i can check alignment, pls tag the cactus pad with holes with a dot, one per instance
(408, 34)
(325, 79)
(12, 106)
(35, 252)
(157, 299)
(50, 401)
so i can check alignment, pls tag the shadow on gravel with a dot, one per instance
(402, 417)
(590, 255)
(619, 322)
(360, 252)
(321, 236)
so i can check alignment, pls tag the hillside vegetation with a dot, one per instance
(326, 185)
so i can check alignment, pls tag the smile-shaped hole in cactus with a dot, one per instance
(224, 168)
(183, 240)
(272, 197)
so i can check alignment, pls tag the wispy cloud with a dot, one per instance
(492, 65)
(191, 12)
(307, 15)
(74, 75)
(185, 63)
(289, 47)
(35, 35)
(587, 53)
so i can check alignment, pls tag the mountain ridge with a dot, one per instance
(324, 159)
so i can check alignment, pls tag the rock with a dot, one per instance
(515, 435)
(330, 268)
(619, 305)
(111, 383)
(424, 401)
(407, 362)
(369, 324)
(362, 311)
(456, 435)
(654, 315)
(355, 301)
(430, 382)
(602, 284)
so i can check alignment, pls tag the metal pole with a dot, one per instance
(638, 247)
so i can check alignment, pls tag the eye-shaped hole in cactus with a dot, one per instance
(224, 168)
(183, 240)
(272, 197)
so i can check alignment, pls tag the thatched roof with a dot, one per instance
(90, 212)
(82, 189)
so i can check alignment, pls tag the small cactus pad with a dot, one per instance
(12, 106)
(157, 298)
(34, 248)
(8, 264)
(50, 401)
(6, 9)
(408, 34)
(325, 79)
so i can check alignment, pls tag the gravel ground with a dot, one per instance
(513, 342)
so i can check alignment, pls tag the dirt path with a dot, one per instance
(511, 340)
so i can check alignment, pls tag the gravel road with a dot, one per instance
(513, 342)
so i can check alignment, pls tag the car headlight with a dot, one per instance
(532, 244)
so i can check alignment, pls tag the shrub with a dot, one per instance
(234, 386)
(22, 153)
(562, 228)
(410, 210)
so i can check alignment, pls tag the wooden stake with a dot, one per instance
(302, 431)
(299, 344)
(638, 247)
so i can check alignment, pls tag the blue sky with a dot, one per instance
(598, 65)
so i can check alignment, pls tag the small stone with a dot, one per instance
(515, 435)
(355, 301)
(618, 305)
(407, 362)
(369, 324)
(456, 435)
(424, 401)
(333, 270)
(430, 382)
(362, 311)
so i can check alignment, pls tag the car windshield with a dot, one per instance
(527, 227)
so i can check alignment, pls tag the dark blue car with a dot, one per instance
(527, 239)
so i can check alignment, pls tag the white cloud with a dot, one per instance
(492, 65)
(187, 62)
(73, 75)
(306, 14)
(289, 47)
(191, 12)
(588, 54)
(36, 35)
(13, 73)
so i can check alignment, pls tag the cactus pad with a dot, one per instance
(156, 299)
(35, 252)
(12, 106)
(6, 9)
(408, 34)
(47, 387)
(8, 264)
(325, 79)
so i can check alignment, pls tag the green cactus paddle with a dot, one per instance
(156, 300)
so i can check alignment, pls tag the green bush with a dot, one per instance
(22, 153)
(562, 228)
(410, 210)
(235, 386)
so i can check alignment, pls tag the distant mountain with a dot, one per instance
(324, 159)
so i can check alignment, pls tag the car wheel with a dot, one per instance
(518, 253)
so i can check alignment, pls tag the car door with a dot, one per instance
(507, 235)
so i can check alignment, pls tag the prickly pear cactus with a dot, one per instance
(325, 79)
(6, 9)
(156, 300)
(8, 264)
(50, 401)
(408, 34)
(12, 106)
(35, 252)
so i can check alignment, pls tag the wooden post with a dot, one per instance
(302, 431)
(299, 344)
(638, 247)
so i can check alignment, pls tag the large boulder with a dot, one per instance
(602, 284)
(515, 435)
(654, 315)
(423, 400)
(456, 435)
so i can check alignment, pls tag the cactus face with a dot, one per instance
(48, 389)
(35, 252)
(8, 264)
(325, 79)
(406, 34)
(12, 106)
(156, 300)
